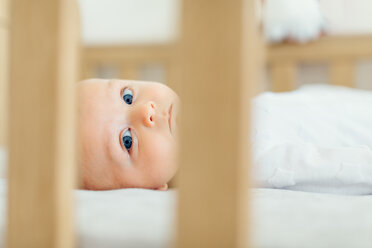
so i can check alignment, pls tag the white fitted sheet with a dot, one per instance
(145, 218)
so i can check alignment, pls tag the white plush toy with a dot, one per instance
(295, 20)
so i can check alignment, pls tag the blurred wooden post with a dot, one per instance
(129, 71)
(4, 26)
(283, 76)
(220, 63)
(342, 72)
(44, 47)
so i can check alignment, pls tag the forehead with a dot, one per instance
(96, 99)
(96, 113)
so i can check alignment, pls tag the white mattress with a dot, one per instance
(134, 217)
(145, 218)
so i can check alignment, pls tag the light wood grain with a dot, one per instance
(134, 52)
(4, 10)
(3, 86)
(283, 76)
(324, 49)
(4, 25)
(129, 71)
(43, 73)
(342, 72)
(129, 59)
(339, 52)
(216, 86)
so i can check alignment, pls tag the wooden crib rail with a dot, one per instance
(219, 65)
(128, 59)
(4, 26)
(43, 74)
(4, 10)
(339, 52)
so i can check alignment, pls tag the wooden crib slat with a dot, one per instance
(89, 70)
(283, 76)
(3, 85)
(324, 49)
(172, 70)
(4, 10)
(128, 59)
(43, 73)
(342, 72)
(219, 61)
(129, 71)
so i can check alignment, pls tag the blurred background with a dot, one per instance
(134, 39)
(130, 39)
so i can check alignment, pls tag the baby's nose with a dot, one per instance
(148, 111)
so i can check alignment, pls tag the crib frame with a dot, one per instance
(43, 71)
(340, 53)
(4, 26)
(45, 31)
(128, 59)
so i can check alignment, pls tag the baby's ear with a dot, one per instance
(164, 187)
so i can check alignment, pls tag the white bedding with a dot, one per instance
(143, 218)
(318, 139)
(108, 219)
(282, 218)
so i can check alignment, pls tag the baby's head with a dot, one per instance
(128, 134)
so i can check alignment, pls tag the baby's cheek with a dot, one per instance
(161, 159)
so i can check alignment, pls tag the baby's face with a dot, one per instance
(128, 134)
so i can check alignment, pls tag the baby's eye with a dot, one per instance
(127, 139)
(128, 96)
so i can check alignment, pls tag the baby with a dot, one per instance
(128, 134)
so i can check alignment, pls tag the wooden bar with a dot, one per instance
(129, 52)
(129, 71)
(4, 10)
(342, 72)
(89, 71)
(340, 52)
(324, 49)
(283, 76)
(219, 49)
(172, 70)
(3, 71)
(43, 72)
(127, 57)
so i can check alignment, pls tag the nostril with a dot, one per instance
(152, 105)
(150, 118)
